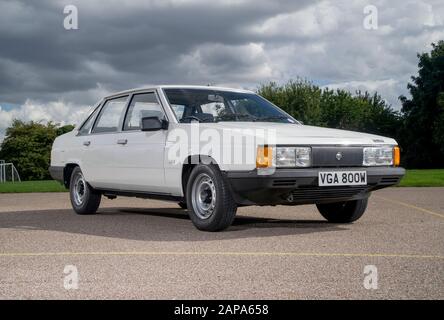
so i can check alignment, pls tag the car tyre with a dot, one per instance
(343, 212)
(84, 199)
(210, 203)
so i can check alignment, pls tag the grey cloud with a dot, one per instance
(117, 46)
(128, 44)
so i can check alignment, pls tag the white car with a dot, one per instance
(170, 143)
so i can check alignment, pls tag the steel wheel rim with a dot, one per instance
(203, 196)
(79, 189)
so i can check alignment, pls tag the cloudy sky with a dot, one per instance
(50, 73)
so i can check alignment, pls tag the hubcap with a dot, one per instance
(79, 189)
(203, 196)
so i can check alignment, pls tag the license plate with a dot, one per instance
(342, 178)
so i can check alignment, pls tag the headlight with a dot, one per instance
(378, 156)
(268, 157)
(285, 157)
(293, 156)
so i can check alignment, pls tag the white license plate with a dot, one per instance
(342, 178)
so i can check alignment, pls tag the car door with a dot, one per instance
(141, 153)
(82, 148)
(99, 159)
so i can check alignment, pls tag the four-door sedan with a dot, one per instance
(141, 143)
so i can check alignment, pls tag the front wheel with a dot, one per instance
(84, 199)
(211, 206)
(343, 212)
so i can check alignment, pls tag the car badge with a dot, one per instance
(339, 156)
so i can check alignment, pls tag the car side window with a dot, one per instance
(142, 105)
(109, 118)
(89, 123)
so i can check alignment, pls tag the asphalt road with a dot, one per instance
(149, 249)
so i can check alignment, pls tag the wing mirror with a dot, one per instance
(154, 124)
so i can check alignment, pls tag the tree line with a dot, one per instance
(418, 126)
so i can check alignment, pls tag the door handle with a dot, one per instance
(122, 141)
(86, 143)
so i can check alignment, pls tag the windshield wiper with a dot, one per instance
(267, 118)
(235, 116)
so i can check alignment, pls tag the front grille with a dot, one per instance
(326, 156)
(323, 193)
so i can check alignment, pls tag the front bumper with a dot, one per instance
(300, 186)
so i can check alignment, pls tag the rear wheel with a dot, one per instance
(343, 212)
(84, 199)
(211, 206)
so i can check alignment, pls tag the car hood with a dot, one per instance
(288, 133)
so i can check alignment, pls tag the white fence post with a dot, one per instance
(2, 171)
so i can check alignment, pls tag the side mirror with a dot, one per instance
(153, 124)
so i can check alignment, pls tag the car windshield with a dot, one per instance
(206, 105)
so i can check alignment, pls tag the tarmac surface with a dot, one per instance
(146, 249)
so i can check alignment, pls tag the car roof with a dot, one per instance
(129, 91)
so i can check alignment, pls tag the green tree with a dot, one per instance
(333, 108)
(299, 97)
(28, 146)
(423, 127)
(378, 116)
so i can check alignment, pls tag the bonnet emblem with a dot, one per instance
(339, 156)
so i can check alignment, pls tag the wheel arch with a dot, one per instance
(67, 172)
(188, 165)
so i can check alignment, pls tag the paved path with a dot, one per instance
(149, 249)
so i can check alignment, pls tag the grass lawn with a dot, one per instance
(32, 186)
(413, 178)
(423, 178)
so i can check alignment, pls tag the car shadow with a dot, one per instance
(240, 222)
(155, 224)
